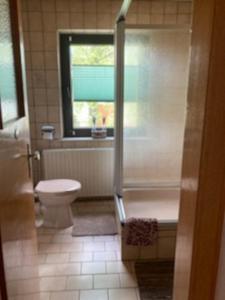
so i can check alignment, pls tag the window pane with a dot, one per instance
(92, 79)
(93, 82)
(92, 55)
(83, 112)
(8, 94)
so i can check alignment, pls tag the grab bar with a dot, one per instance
(120, 209)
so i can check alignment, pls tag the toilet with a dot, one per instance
(56, 197)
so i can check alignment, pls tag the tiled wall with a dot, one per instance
(42, 19)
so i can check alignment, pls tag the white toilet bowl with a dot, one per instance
(56, 196)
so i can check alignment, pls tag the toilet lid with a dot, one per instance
(57, 186)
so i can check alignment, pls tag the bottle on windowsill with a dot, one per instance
(99, 132)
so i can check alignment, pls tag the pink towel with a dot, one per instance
(140, 232)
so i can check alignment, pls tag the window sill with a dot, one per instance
(89, 139)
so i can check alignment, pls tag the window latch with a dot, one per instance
(68, 92)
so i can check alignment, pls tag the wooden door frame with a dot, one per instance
(3, 290)
(15, 21)
(203, 174)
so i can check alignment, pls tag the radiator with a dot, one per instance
(93, 167)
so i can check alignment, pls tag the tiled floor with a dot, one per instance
(75, 268)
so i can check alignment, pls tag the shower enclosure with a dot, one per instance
(151, 86)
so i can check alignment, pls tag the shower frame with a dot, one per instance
(120, 29)
(150, 191)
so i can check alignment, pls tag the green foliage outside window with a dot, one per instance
(84, 111)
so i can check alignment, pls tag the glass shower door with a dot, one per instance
(155, 85)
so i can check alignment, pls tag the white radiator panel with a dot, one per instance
(93, 167)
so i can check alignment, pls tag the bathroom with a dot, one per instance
(110, 172)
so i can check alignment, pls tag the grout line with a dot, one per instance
(93, 282)
(108, 293)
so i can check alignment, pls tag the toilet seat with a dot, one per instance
(57, 186)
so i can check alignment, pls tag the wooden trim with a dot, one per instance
(3, 290)
(203, 175)
(15, 30)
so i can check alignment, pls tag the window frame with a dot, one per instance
(66, 40)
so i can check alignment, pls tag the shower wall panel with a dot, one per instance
(155, 85)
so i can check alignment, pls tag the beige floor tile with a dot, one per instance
(60, 269)
(83, 239)
(43, 230)
(30, 260)
(74, 295)
(29, 247)
(118, 267)
(68, 269)
(109, 246)
(26, 272)
(81, 257)
(14, 261)
(63, 258)
(48, 248)
(118, 255)
(104, 238)
(42, 258)
(93, 268)
(94, 246)
(48, 284)
(47, 270)
(128, 280)
(94, 295)
(45, 238)
(71, 247)
(122, 294)
(105, 256)
(57, 258)
(12, 248)
(27, 286)
(61, 238)
(106, 281)
(117, 238)
(36, 296)
(82, 282)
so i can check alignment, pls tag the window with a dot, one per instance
(87, 74)
(11, 81)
